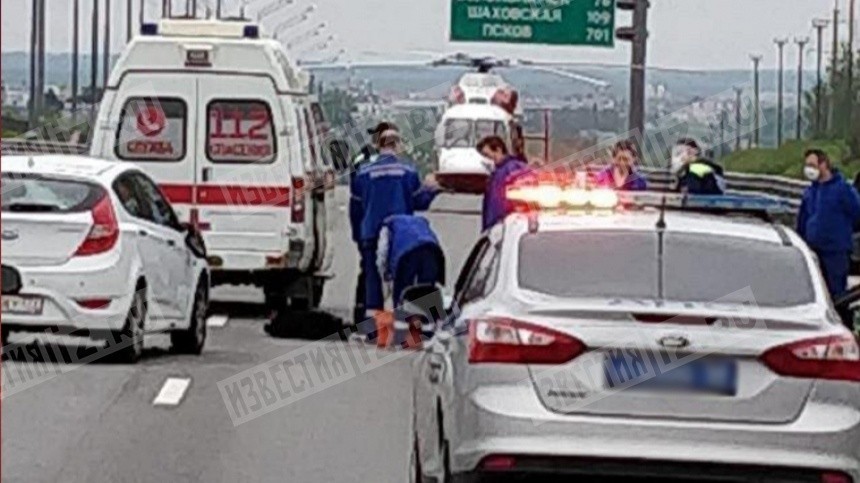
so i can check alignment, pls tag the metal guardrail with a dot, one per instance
(26, 146)
(789, 189)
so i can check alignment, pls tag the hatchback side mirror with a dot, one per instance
(194, 240)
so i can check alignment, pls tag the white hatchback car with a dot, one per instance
(92, 248)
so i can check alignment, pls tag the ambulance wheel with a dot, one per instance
(276, 300)
(319, 287)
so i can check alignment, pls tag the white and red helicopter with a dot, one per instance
(480, 103)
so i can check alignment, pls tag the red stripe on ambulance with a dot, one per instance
(228, 195)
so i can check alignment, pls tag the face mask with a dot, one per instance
(812, 173)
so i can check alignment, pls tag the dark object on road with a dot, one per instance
(309, 325)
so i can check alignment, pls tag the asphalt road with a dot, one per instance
(165, 419)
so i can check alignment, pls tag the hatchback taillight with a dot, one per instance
(507, 341)
(297, 203)
(105, 230)
(833, 358)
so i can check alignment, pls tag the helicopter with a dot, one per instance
(480, 103)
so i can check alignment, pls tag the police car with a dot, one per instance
(652, 335)
(227, 126)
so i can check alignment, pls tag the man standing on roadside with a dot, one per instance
(505, 167)
(828, 212)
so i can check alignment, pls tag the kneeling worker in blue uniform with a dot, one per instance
(828, 212)
(389, 186)
(409, 254)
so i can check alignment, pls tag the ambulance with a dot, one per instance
(228, 127)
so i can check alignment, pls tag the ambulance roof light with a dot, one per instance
(251, 32)
(149, 29)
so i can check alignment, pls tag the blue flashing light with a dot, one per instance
(149, 29)
(251, 32)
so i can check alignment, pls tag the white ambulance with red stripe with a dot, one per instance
(226, 124)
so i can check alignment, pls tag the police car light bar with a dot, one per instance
(551, 196)
(749, 204)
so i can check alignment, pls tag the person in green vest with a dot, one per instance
(695, 174)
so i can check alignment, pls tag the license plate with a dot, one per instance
(22, 305)
(638, 370)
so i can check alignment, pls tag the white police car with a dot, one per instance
(610, 338)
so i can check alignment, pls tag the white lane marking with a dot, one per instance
(217, 321)
(172, 392)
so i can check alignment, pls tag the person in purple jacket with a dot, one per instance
(622, 174)
(506, 167)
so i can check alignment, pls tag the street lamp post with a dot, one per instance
(819, 25)
(756, 59)
(801, 50)
(780, 43)
(75, 56)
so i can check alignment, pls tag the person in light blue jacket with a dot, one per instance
(828, 213)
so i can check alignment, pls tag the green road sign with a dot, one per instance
(556, 22)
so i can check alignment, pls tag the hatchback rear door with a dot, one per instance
(45, 219)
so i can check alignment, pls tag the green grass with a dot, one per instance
(788, 159)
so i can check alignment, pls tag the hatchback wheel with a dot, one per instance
(130, 338)
(192, 339)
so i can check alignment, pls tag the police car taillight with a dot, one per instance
(506, 341)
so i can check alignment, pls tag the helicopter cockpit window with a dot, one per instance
(458, 133)
(489, 128)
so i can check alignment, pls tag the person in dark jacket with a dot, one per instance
(695, 174)
(389, 186)
(506, 167)
(622, 173)
(828, 212)
(409, 254)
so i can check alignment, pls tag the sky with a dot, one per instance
(688, 34)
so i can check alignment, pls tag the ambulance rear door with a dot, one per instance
(151, 122)
(244, 190)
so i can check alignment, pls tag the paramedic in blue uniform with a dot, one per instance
(828, 212)
(409, 254)
(622, 174)
(389, 186)
(505, 168)
(368, 155)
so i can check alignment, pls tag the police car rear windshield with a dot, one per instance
(696, 268)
